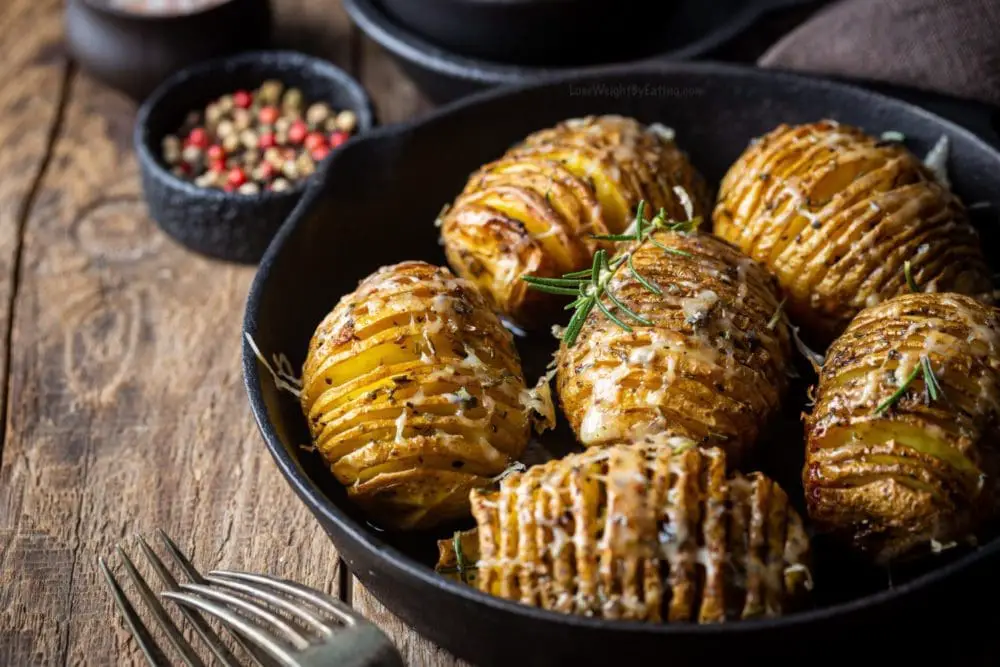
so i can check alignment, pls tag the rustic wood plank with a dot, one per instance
(416, 650)
(32, 77)
(126, 406)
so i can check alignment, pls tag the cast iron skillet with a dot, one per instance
(374, 204)
(451, 48)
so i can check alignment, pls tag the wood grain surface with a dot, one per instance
(122, 399)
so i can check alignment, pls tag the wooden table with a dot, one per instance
(123, 408)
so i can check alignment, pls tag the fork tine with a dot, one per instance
(207, 634)
(191, 573)
(250, 630)
(150, 649)
(255, 610)
(188, 655)
(277, 600)
(331, 604)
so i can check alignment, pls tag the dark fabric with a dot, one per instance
(947, 46)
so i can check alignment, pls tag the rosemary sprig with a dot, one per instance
(591, 286)
(908, 273)
(931, 385)
(459, 556)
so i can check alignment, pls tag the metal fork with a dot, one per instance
(275, 621)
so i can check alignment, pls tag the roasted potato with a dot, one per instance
(533, 211)
(903, 442)
(710, 365)
(835, 213)
(414, 395)
(639, 532)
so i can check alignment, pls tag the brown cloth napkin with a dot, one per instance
(946, 46)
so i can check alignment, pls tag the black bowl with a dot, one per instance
(395, 180)
(456, 63)
(231, 226)
(135, 52)
(536, 32)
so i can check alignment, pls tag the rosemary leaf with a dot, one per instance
(585, 273)
(898, 394)
(640, 220)
(642, 280)
(552, 282)
(576, 322)
(910, 282)
(622, 307)
(930, 379)
(666, 248)
(459, 557)
(595, 271)
(773, 322)
(611, 316)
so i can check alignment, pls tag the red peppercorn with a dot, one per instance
(266, 171)
(266, 140)
(236, 177)
(319, 153)
(338, 138)
(216, 153)
(314, 141)
(297, 132)
(218, 166)
(198, 137)
(242, 99)
(268, 115)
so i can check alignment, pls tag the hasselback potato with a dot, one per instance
(904, 439)
(533, 210)
(642, 532)
(710, 365)
(414, 394)
(835, 213)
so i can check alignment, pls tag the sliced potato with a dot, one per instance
(894, 461)
(414, 395)
(639, 532)
(711, 364)
(533, 211)
(835, 213)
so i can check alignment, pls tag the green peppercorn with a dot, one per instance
(270, 92)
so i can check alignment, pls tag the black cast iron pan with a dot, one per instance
(451, 48)
(374, 204)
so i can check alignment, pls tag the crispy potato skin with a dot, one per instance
(711, 366)
(834, 214)
(642, 532)
(532, 211)
(921, 470)
(414, 395)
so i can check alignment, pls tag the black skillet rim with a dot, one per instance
(144, 143)
(411, 47)
(402, 564)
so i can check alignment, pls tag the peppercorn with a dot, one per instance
(213, 114)
(231, 142)
(290, 170)
(305, 165)
(242, 99)
(314, 140)
(297, 132)
(268, 115)
(266, 140)
(338, 138)
(317, 114)
(249, 189)
(274, 157)
(280, 185)
(346, 121)
(263, 172)
(319, 154)
(236, 177)
(198, 137)
(215, 153)
(225, 128)
(270, 92)
(249, 139)
(171, 149)
(242, 119)
(291, 101)
(207, 180)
